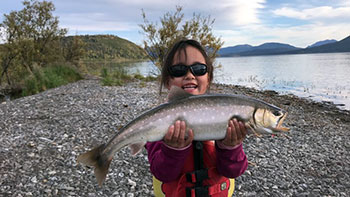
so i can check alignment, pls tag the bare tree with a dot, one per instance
(173, 27)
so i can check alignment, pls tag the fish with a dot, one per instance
(207, 115)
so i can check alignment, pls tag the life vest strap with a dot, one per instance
(197, 191)
(197, 175)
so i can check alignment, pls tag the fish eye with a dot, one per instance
(277, 113)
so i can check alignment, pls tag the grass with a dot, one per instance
(119, 77)
(55, 75)
(49, 77)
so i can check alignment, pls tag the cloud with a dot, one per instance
(94, 22)
(121, 15)
(322, 12)
(243, 12)
(299, 36)
(237, 13)
(2, 35)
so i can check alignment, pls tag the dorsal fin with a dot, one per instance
(177, 93)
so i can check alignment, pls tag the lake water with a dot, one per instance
(321, 77)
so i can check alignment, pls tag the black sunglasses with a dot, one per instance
(179, 70)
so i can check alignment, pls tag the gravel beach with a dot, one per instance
(42, 135)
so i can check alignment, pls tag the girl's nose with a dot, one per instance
(189, 75)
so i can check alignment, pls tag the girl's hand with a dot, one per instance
(235, 134)
(175, 137)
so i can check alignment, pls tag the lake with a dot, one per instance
(321, 77)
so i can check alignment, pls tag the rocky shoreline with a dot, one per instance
(42, 135)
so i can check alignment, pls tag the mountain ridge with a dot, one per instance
(275, 48)
(108, 47)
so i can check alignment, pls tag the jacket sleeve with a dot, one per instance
(166, 163)
(231, 163)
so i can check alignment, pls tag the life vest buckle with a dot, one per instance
(223, 186)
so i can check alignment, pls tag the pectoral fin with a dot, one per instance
(136, 148)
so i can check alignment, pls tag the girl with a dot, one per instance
(181, 166)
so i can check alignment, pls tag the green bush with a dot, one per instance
(49, 77)
(117, 77)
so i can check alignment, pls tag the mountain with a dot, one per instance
(234, 49)
(263, 49)
(326, 46)
(109, 47)
(340, 46)
(320, 43)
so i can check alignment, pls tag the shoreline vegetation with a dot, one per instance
(79, 56)
(43, 134)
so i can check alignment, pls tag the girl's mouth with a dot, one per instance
(189, 87)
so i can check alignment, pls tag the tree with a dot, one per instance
(160, 39)
(31, 36)
(72, 49)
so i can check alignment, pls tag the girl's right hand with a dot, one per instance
(176, 135)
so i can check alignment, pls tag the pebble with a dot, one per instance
(42, 135)
(131, 183)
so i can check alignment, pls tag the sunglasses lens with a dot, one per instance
(199, 69)
(181, 70)
(178, 70)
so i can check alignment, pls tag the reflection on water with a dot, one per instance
(145, 68)
(322, 77)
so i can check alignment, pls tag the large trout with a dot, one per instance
(207, 115)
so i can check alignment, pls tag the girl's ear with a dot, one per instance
(167, 85)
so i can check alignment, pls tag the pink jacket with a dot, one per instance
(167, 163)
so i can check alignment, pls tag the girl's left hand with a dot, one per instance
(235, 133)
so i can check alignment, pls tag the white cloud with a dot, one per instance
(94, 22)
(2, 35)
(245, 12)
(299, 36)
(238, 12)
(120, 15)
(322, 12)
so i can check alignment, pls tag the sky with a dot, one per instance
(299, 22)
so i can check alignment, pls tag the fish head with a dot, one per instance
(269, 120)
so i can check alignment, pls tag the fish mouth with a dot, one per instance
(279, 127)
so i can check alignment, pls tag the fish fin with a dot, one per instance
(177, 93)
(252, 129)
(281, 129)
(95, 159)
(238, 118)
(136, 148)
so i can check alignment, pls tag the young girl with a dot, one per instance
(181, 166)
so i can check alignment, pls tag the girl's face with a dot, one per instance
(192, 84)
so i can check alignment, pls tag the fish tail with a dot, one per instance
(97, 160)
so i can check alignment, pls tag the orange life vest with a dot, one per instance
(197, 178)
